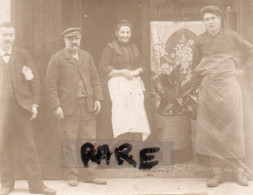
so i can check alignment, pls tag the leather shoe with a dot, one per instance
(72, 180)
(215, 181)
(5, 190)
(95, 181)
(45, 190)
(241, 179)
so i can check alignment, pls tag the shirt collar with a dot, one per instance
(217, 34)
(2, 52)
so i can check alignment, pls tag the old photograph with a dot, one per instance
(126, 97)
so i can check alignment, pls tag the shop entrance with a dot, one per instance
(99, 18)
(39, 24)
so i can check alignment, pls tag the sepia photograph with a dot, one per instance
(126, 97)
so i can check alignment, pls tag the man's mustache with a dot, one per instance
(75, 44)
(8, 41)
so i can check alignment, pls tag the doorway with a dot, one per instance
(99, 18)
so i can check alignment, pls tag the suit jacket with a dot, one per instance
(61, 82)
(27, 92)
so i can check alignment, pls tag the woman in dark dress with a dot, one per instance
(121, 65)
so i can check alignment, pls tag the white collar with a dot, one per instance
(76, 56)
(2, 52)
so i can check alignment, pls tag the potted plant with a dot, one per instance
(171, 93)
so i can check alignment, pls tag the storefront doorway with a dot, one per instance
(39, 24)
(99, 18)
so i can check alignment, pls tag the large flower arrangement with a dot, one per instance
(171, 85)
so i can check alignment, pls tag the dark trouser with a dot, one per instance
(75, 130)
(15, 122)
(218, 165)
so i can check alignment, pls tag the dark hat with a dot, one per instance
(69, 32)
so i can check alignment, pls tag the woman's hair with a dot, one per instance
(124, 22)
(210, 9)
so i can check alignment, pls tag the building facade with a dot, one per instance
(39, 24)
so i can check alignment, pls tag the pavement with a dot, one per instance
(187, 178)
(142, 186)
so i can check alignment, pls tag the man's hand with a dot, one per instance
(34, 111)
(59, 113)
(97, 107)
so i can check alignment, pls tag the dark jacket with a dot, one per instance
(118, 56)
(61, 82)
(27, 92)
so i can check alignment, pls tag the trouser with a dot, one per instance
(75, 130)
(218, 165)
(15, 122)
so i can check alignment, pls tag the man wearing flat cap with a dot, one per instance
(219, 127)
(73, 91)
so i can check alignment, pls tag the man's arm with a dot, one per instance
(50, 84)
(246, 49)
(95, 80)
(34, 83)
(196, 58)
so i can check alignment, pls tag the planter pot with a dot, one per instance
(173, 129)
(193, 139)
(193, 127)
(193, 136)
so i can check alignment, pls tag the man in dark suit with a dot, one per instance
(19, 91)
(73, 91)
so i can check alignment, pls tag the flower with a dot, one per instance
(171, 88)
(191, 42)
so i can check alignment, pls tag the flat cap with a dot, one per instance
(72, 31)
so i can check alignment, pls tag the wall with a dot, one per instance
(5, 10)
(38, 26)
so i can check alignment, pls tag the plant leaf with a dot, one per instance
(180, 101)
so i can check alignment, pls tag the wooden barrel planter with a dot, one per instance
(193, 139)
(173, 129)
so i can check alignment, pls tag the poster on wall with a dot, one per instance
(171, 44)
(172, 94)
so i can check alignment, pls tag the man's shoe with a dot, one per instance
(95, 181)
(215, 181)
(72, 180)
(44, 190)
(5, 190)
(241, 179)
